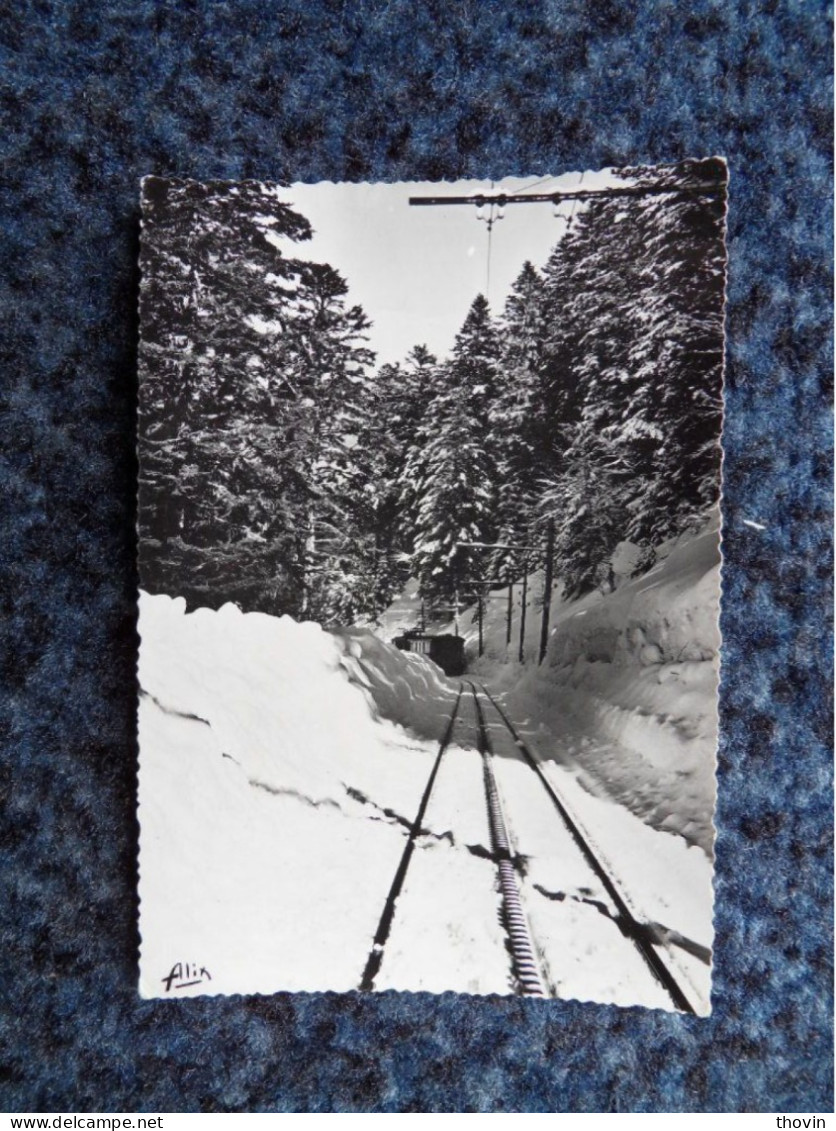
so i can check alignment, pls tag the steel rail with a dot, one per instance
(631, 927)
(385, 925)
(525, 965)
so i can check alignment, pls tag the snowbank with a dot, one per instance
(281, 767)
(630, 684)
(263, 771)
(627, 694)
(402, 686)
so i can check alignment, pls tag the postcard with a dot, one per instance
(429, 558)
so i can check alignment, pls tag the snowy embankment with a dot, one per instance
(274, 798)
(281, 767)
(627, 693)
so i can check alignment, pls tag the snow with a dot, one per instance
(226, 871)
(403, 613)
(402, 686)
(459, 920)
(573, 918)
(244, 814)
(275, 797)
(625, 559)
(268, 326)
(627, 694)
(282, 766)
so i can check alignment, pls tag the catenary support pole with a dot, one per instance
(522, 611)
(481, 636)
(510, 615)
(547, 591)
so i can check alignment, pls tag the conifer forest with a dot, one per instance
(282, 468)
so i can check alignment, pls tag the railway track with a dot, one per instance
(526, 967)
(529, 962)
(385, 925)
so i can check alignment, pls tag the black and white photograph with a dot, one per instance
(429, 565)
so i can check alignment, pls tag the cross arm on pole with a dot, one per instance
(503, 198)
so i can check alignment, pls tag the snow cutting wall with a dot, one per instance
(262, 757)
(628, 689)
(281, 767)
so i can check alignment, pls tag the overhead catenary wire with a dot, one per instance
(502, 199)
(537, 184)
(490, 220)
(571, 219)
(488, 271)
(496, 202)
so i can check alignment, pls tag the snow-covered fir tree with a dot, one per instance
(455, 499)
(253, 377)
(333, 382)
(394, 433)
(450, 476)
(633, 299)
(280, 471)
(519, 426)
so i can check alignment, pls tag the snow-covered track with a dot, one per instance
(384, 926)
(525, 965)
(637, 933)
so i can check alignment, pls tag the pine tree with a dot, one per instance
(400, 395)
(684, 339)
(450, 475)
(638, 353)
(455, 499)
(324, 427)
(475, 362)
(518, 426)
(215, 280)
(253, 380)
(589, 503)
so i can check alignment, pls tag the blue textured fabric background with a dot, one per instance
(96, 93)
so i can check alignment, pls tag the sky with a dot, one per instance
(416, 270)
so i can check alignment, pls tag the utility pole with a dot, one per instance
(516, 549)
(522, 611)
(510, 613)
(547, 591)
(481, 639)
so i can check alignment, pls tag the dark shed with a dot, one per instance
(447, 650)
